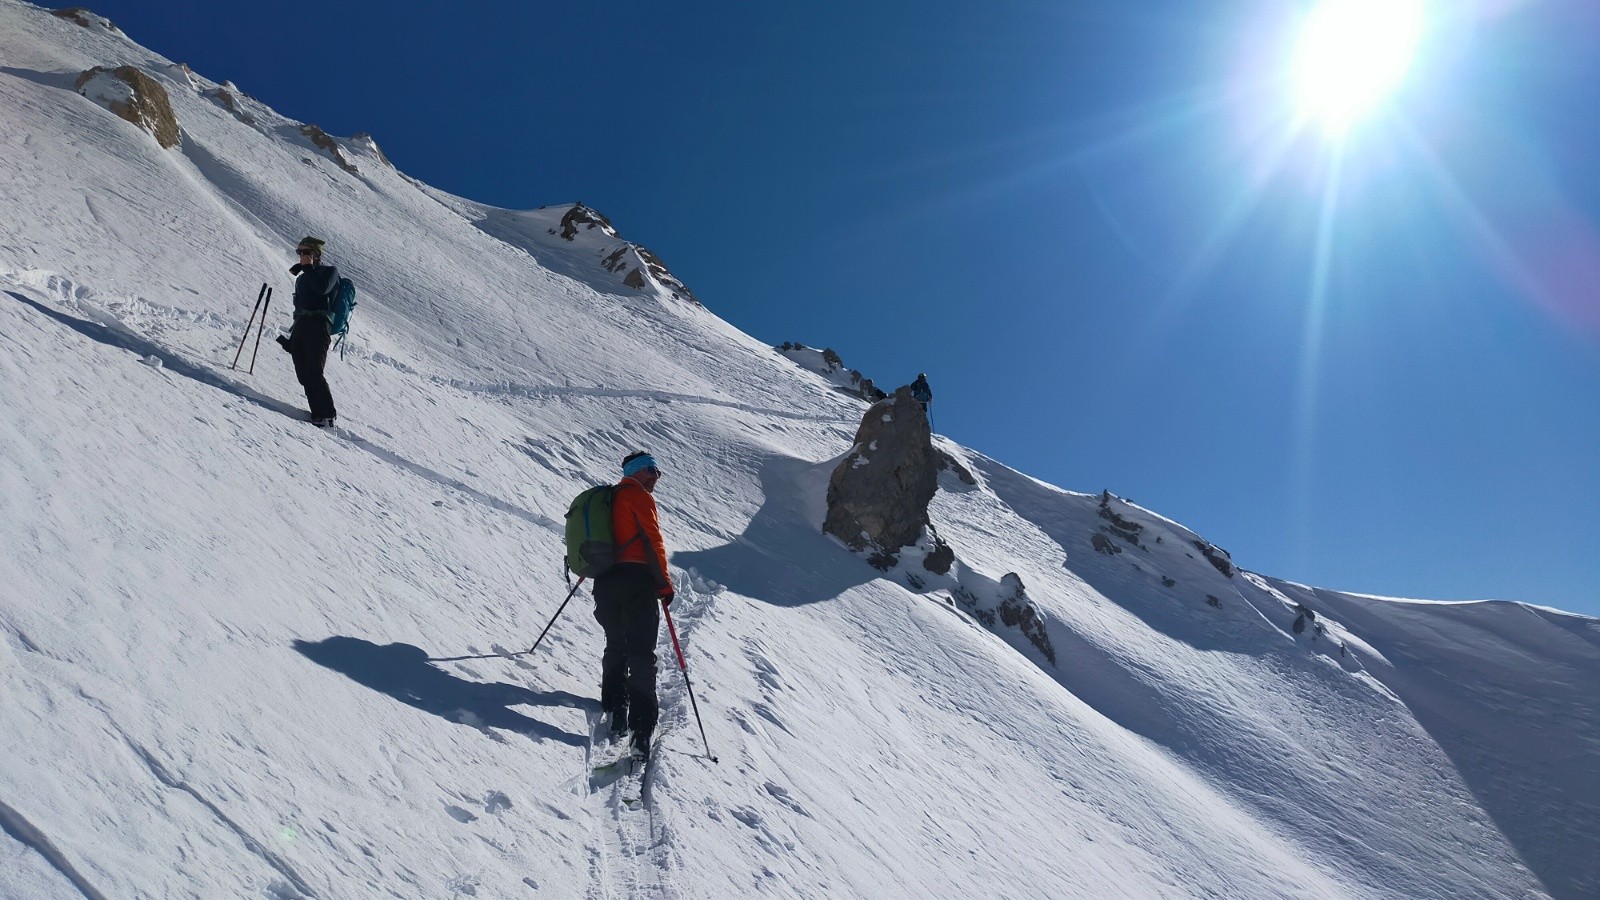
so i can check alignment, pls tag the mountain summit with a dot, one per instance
(234, 648)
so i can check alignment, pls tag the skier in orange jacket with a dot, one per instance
(625, 598)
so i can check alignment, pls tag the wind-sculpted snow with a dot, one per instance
(233, 648)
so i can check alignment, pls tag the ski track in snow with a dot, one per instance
(634, 846)
(114, 334)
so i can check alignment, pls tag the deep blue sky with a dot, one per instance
(1090, 222)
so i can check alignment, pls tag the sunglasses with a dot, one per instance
(304, 252)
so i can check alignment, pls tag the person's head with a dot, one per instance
(310, 249)
(641, 467)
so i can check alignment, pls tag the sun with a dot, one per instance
(1351, 56)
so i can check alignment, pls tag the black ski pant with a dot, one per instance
(308, 344)
(625, 605)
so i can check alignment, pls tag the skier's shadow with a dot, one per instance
(404, 673)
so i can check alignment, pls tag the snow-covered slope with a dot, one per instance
(215, 620)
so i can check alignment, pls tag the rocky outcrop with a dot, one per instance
(371, 143)
(638, 267)
(878, 498)
(951, 464)
(580, 216)
(1017, 611)
(232, 104)
(326, 142)
(827, 363)
(879, 493)
(181, 73)
(664, 277)
(1217, 556)
(81, 16)
(135, 97)
(1126, 529)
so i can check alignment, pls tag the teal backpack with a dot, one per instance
(340, 305)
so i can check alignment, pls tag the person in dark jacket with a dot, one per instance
(310, 337)
(920, 391)
(625, 598)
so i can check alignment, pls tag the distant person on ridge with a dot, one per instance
(311, 335)
(625, 597)
(920, 391)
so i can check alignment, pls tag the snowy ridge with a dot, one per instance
(827, 364)
(216, 622)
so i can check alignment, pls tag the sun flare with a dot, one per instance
(1351, 56)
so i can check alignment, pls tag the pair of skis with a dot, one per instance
(612, 763)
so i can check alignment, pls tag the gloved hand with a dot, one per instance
(297, 268)
(666, 599)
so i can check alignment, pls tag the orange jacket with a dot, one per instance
(633, 510)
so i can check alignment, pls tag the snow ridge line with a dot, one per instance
(17, 825)
(534, 392)
(48, 281)
(116, 334)
(250, 843)
(113, 333)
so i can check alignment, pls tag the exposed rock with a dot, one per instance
(582, 216)
(1102, 544)
(1019, 612)
(134, 96)
(878, 495)
(1217, 556)
(1126, 529)
(372, 144)
(326, 142)
(641, 266)
(1213, 601)
(942, 557)
(84, 17)
(1168, 582)
(664, 276)
(180, 72)
(232, 104)
(954, 465)
(827, 363)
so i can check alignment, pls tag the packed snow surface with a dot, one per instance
(216, 621)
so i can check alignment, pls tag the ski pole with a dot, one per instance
(259, 330)
(525, 652)
(557, 615)
(246, 337)
(684, 667)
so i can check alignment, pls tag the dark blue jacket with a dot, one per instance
(313, 289)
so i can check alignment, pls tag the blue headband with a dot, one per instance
(638, 464)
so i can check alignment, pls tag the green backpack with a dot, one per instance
(591, 544)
